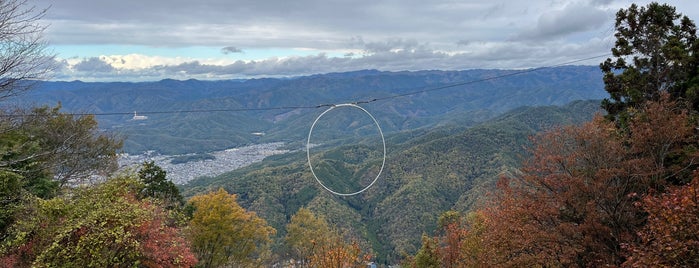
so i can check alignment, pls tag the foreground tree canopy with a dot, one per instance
(105, 225)
(619, 191)
(588, 196)
(312, 242)
(577, 202)
(655, 51)
(46, 151)
(223, 233)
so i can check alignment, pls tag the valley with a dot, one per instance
(218, 163)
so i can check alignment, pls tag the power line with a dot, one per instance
(207, 110)
(395, 96)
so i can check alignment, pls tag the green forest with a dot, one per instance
(587, 184)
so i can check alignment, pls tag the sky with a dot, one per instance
(150, 40)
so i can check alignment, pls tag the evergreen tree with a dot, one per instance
(157, 186)
(428, 255)
(655, 51)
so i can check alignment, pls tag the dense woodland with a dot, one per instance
(534, 187)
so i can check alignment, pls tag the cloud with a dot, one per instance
(266, 24)
(229, 49)
(386, 46)
(601, 2)
(573, 18)
(463, 42)
(277, 24)
(93, 65)
(392, 56)
(341, 35)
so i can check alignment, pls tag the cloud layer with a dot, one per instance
(311, 36)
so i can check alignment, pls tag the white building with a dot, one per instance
(139, 117)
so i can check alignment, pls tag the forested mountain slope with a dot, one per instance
(428, 171)
(234, 109)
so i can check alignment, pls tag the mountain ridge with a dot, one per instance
(252, 103)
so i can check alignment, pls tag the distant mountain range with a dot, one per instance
(231, 113)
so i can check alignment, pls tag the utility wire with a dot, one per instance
(395, 96)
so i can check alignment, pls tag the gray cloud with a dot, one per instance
(388, 45)
(93, 65)
(601, 2)
(493, 55)
(257, 24)
(254, 24)
(230, 49)
(387, 35)
(573, 18)
(463, 42)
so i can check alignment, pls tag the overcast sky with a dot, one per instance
(145, 40)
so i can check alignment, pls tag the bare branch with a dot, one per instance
(23, 57)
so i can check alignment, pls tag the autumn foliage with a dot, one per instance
(575, 203)
(671, 237)
(100, 226)
(586, 197)
(223, 233)
(314, 243)
(457, 243)
(339, 255)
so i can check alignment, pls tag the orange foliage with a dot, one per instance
(450, 250)
(575, 202)
(163, 246)
(458, 243)
(671, 237)
(339, 255)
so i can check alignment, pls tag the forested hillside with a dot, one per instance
(428, 171)
(236, 108)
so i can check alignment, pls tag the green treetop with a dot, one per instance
(655, 51)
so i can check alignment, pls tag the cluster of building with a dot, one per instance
(226, 160)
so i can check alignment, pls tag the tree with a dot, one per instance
(339, 255)
(671, 237)
(97, 226)
(306, 233)
(10, 200)
(23, 56)
(662, 137)
(656, 51)
(223, 233)
(46, 149)
(157, 186)
(452, 238)
(313, 243)
(575, 201)
(67, 148)
(428, 255)
(20, 154)
(457, 242)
